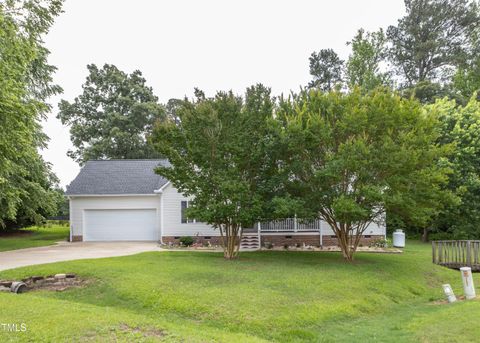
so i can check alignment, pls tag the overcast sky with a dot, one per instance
(212, 45)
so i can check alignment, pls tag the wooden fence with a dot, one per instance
(456, 254)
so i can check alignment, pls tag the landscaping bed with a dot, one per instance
(387, 250)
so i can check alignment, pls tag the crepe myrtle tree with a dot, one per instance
(348, 158)
(218, 150)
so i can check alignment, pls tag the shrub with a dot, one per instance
(380, 243)
(268, 245)
(186, 240)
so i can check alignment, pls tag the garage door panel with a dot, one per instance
(120, 225)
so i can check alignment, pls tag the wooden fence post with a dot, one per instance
(469, 255)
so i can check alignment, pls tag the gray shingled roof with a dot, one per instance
(117, 177)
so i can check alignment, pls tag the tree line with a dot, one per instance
(29, 189)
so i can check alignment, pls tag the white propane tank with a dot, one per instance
(399, 239)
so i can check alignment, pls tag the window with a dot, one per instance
(185, 219)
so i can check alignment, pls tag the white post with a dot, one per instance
(320, 231)
(295, 224)
(259, 233)
(449, 293)
(468, 287)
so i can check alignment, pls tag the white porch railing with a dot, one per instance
(291, 225)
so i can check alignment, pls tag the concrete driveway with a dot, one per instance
(65, 251)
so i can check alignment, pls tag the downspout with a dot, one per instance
(160, 192)
(385, 225)
(70, 216)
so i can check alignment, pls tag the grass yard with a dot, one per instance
(35, 236)
(265, 296)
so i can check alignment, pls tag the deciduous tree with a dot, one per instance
(363, 66)
(112, 117)
(218, 150)
(26, 181)
(461, 128)
(351, 157)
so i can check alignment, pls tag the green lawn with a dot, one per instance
(265, 296)
(35, 236)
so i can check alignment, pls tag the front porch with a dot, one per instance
(299, 232)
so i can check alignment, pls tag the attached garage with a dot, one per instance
(120, 225)
(116, 200)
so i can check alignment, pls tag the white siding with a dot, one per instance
(372, 229)
(172, 219)
(79, 204)
(170, 224)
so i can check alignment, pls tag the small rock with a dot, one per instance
(49, 280)
(4, 289)
(60, 276)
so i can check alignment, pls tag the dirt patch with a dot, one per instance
(459, 299)
(146, 332)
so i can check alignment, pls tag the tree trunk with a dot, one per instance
(425, 235)
(345, 243)
(231, 241)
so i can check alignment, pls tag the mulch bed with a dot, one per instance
(337, 249)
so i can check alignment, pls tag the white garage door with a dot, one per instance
(120, 225)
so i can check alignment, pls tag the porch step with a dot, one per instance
(249, 243)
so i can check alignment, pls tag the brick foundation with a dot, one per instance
(278, 240)
(214, 240)
(313, 240)
(77, 238)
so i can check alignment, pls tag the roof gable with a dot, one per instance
(121, 177)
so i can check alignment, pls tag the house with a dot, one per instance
(124, 200)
